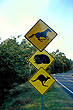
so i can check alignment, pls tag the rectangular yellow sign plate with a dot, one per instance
(41, 59)
(41, 81)
(40, 35)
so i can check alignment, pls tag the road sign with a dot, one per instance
(41, 81)
(41, 59)
(40, 35)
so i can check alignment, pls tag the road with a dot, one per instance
(65, 80)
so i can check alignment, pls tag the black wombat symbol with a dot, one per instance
(41, 59)
(41, 78)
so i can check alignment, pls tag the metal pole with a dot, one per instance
(42, 108)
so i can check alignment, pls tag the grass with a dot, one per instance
(25, 97)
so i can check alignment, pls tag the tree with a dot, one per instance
(14, 65)
(61, 63)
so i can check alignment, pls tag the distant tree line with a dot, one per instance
(15, 68)
(61, 63)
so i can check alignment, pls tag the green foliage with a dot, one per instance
(14, 65)
(61, 63)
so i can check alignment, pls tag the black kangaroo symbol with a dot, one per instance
(41, 78)
(41, 34)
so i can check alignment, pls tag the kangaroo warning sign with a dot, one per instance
(40, 35)
(41, 81)
(41, 59)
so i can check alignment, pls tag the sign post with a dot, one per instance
(42, 107)
(40, 35)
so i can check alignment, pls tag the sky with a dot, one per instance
(17, 17)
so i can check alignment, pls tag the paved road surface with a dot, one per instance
(65, 80)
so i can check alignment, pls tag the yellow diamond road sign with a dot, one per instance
(41, 81)
(40, 35)
(41, 59)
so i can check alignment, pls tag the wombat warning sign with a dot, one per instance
(41, 59)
